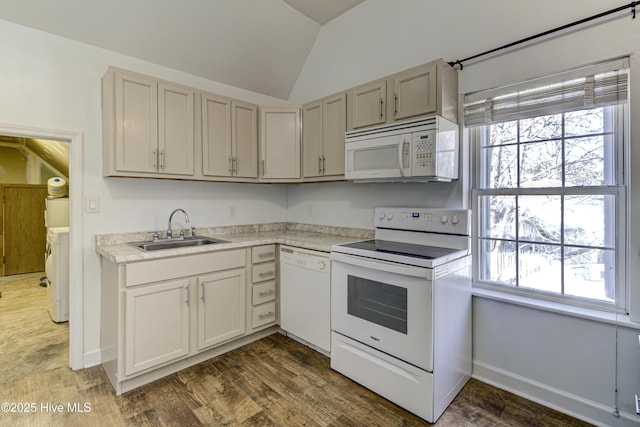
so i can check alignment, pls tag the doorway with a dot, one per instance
(75, 144)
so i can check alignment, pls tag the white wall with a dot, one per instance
(560, 360)
(49, 82)
(348, 204)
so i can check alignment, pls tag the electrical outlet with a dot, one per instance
(232, 212)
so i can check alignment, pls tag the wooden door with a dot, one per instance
(23, 227)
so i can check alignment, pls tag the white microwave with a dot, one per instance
(419, 150)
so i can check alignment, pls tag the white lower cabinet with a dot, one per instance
(156, 324)
(221, 307)
(162, 315)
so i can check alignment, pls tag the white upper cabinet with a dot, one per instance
(413, 92)
(427, 89)
(280, 144)
(147, 126)
(244, 134)
(229, 137)
(324, 125)
(136, 124)
(217, 155)
(175, 135)
(312, 139)
(367, 105)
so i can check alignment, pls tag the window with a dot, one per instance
(548, 193)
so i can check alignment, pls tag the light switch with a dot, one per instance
(92, 204)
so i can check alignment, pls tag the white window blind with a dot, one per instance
(598, 85)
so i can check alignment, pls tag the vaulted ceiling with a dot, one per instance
(258, 45)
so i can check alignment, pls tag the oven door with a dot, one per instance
(385, 305)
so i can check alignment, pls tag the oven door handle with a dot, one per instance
(381, 265)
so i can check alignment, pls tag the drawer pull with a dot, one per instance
(267, 274)
(267, 255)
(265, 293)
(266, 315)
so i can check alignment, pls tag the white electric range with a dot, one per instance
(401, 308)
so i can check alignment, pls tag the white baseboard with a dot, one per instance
(92, 358)
(578, 407)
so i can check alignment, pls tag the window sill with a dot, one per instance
(554, 307)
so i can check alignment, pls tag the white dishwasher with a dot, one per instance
(305, 295)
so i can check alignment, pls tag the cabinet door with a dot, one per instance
(136, 127)
(414, 92)
(156, 324)
(244, 135)
(175, 135)
(312, 140)
(216, 136)
(334, 127)
(367, 105)
(221, 307)
(280, 143)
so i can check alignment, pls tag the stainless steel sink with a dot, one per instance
(156, 245)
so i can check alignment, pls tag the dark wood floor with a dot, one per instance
(275, 381)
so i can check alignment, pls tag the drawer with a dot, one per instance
(262, 272)
(263, 314)
(263, 253)
(264, 292)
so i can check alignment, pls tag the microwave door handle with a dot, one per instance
(400, 159)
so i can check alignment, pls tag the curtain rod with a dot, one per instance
(631, 6)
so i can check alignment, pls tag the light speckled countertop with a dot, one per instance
(115, 247)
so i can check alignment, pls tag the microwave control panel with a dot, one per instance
(423, 162)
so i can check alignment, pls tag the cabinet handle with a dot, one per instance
(154, 159)
(235, 166)
(267, 274)
(395, 105)
(162, 159)
(262, 163)
(266, 255)
(202, 292)
(381, 108)
(324, 169)
(320, 165)
(265, 315)
(186, 300)
(265, 293)
(230, 163)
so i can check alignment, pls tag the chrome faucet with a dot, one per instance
(186, 218)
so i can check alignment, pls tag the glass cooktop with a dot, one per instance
(405, 249)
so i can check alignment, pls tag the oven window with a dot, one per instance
(380, 303)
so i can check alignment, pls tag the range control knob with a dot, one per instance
(381, 215)
(389, 216)
(444, 219)
(321, 265)
(455, 219)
